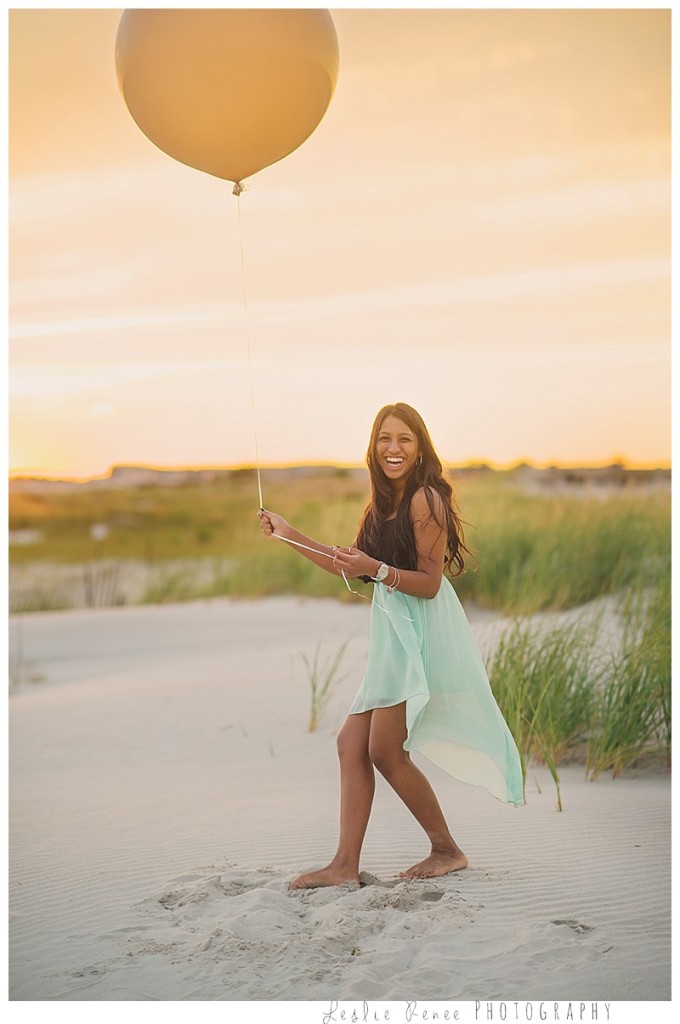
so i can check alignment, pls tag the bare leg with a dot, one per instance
(388, 732)
(357, 786)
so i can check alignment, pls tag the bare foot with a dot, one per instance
(440, 862)
(324, 877)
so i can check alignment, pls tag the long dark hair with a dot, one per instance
(428, 474)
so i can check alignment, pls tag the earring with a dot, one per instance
(419, 460)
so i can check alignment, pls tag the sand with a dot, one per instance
(164, 789)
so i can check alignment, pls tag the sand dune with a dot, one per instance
(164, 789)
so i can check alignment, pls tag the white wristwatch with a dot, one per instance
(381, 573)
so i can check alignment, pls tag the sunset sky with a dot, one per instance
(480, 226)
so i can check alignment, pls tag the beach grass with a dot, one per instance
(323, 676)
(535, 551)
(569, 695)
(632, 709)
(542, 678)
(563, 694)
(561, 551)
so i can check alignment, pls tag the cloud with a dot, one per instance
(513, 286)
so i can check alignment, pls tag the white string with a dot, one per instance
(250, 355)
(287, 540)
(317, 551)
(238, 188)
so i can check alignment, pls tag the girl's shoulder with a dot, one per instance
(425, 502)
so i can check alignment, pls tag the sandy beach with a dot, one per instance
(164, 789)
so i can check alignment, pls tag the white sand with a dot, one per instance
(164, 789)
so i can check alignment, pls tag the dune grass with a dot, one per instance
(548, 552)
(543, 681)
(323, 677)
(632, 710)
(566, 695)
(561, 698)
(535, 552)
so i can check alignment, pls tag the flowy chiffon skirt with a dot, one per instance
(422, 651)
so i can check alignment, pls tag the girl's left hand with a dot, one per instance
(353, 562)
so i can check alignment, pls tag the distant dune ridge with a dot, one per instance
(149, 535)
(615, 475)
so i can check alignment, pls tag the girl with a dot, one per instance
(425, 687)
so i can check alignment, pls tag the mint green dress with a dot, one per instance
(422, 651)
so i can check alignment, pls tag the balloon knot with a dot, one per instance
(238, 188)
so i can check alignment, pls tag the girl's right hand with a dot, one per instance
(271, 523)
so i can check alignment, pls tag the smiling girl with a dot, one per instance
(425, 687)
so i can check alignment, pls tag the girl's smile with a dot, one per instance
(396, 448)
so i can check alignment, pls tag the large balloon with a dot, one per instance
(228, 91)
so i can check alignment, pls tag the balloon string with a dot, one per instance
(238, 188)
(325, 554)
(287, 540)
(250, 354)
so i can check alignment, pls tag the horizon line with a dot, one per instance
(29, 473)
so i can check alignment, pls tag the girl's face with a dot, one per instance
(396, 449)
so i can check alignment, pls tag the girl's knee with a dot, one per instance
(351, 746)
(387, 738)
(387, 758)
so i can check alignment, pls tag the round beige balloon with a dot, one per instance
(227, 91)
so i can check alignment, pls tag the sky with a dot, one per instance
(480, 227)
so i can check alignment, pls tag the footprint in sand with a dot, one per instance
(576, 926)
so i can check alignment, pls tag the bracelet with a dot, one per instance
(381, 577)
(396, 582)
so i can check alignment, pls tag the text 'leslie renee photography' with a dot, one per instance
(517, 1010)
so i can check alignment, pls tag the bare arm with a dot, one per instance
(430, 539)
(274, 525)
